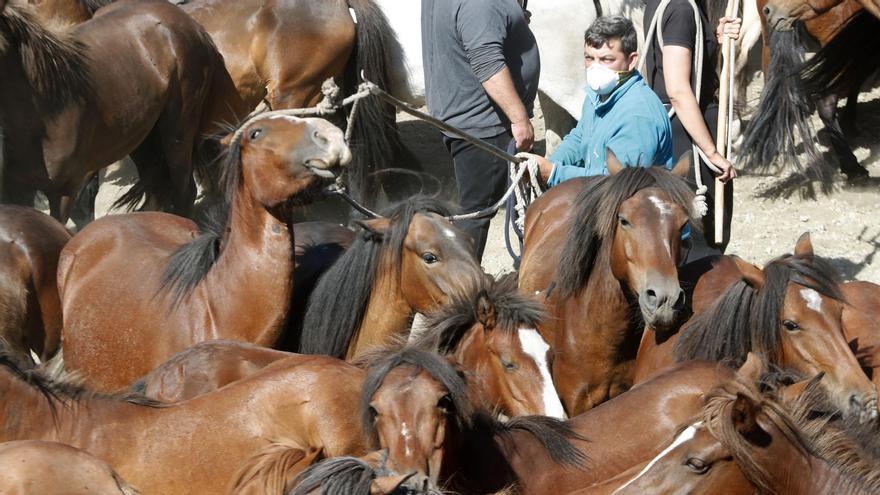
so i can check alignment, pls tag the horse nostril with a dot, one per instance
(652, 295)
(317, 136)
(679, 302)
(766, 11)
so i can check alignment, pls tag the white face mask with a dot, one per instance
(601, 79)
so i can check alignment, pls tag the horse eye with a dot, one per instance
(697, 465)
(508, 366)
(623, 222)
(790, 325)
(256, 133)
(445, 404)
(429, 258)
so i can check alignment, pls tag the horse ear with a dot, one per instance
(751, 370)
(792, 392)
(378, 226)
(486, 311)
(387, 484)
(751, 274)
(744, 415)
(683, 166)
(613, 164)
(804, 246)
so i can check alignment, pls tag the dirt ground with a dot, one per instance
(845, 225)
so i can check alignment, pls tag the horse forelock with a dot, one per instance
(56, 65)
(595, 218)
(447, 325)
(437, 367)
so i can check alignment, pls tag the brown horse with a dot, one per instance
(782, 14)
(778, 448)
(790, 313)
(861, 324)
(488, 332)
(74, 102)
(405, 262)
(137, 288)
(604, 250)
(30, 243)
(51, 468)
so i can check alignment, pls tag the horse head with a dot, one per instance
(286, 158)
(415, 405)
(490, 331)
(782, 15)
(646, 244)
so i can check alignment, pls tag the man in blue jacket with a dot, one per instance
(620, 112)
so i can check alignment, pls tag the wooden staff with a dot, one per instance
(725, 111)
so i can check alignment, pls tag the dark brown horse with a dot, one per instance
(604, 250)
(790, 313)
(408, 261)
(778, 448)
(257, 423)
(51, 468)
(794, 88)
(137, 288)
(488, 332)
(30, 310)
(73, 102)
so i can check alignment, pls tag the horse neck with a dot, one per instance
(824, 478)
(17, 396)
(253, 273)
(607, 300)
(387, 314)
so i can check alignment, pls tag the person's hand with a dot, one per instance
(524, 134)
(728, 172)
(728, 27)
(545, 167)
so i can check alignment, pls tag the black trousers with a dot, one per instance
(481, 179)
(700, 245)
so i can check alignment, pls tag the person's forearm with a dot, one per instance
(501, 90)
(688, 111)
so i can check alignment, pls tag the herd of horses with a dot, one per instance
(250, 353)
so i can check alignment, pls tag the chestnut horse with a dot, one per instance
(30, 243)
(405, 262)
(51, 468)
(250, 424)
(74, 102)
(282, 51)
(782, 14)
(778, 448)
(790, 313)
(137, 288)
(604, 250)
(488, 332)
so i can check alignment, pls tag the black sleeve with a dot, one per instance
(679, 28)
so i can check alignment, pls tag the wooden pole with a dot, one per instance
(725, 104)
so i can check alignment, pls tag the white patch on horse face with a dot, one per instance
(449, 233)
(354, 16)
(661, 205)
(813, 299)
(533, 344)
(683, 437)
(404, 431)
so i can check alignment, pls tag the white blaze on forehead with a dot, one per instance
(533, 345)
(449, 233)
(683, 437)
(354, 16)
(404, 431)
(661, 205)
(813, 299)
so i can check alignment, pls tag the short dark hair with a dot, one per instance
(611, 27)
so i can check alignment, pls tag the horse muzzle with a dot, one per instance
(661, 307)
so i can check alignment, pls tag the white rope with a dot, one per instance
(516, 178)
(701, 207)
(527, 191)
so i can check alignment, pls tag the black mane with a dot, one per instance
(335, 476)
(595, 216)
(339, 302)
(445, 327)
(744, 319)
(55, 65)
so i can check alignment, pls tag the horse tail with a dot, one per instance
(782, 118)
(269, 470)
(833, 70)
(374, 139)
